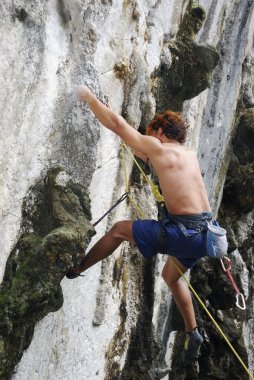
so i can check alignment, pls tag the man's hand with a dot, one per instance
(114, 122)
(83, 93)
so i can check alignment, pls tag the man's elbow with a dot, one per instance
(115, 123)
(118, 122)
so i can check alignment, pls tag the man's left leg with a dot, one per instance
(182, 297)
(104, 247)
(180, 292)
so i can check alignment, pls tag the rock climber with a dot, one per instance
(182, 233)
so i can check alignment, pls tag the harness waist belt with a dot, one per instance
(192, 220)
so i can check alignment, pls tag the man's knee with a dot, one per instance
(171, 282)
(164, 273)
(166, 277)
(117, 229)
(122, 230)
(170, 275)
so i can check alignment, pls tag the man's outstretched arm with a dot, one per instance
(113, 121)
(103, 113)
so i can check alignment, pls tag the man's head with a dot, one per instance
(171, 124)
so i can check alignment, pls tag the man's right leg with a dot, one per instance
(104, 247)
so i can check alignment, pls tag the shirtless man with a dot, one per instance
(181, 235)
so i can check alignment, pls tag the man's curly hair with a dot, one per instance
(172, 124)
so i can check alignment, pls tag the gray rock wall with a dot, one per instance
(118, 321)
(55, 232)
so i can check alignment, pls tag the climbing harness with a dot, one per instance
(240, 301)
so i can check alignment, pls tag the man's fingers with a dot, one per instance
(77, 92)
(82, 93)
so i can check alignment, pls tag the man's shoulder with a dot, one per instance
(151, 141)
(182, 149)
(177, 153)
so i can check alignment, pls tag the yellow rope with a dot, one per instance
(212, 319)
(156, 193)
(126, 182)
(154, 190)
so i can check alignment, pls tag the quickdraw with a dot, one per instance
(240, 301)
(121, 199)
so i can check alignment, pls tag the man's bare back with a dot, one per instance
(180, 179)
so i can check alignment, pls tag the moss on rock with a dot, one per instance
(186, 66)
(239, 187)
(55, 233)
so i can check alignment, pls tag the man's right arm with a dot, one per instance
(117, 124)
(103, 113)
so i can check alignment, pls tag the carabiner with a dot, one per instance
(228, 263)
(240, 301)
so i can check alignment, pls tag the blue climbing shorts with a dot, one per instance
(180, 236)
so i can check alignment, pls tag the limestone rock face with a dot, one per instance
(55, 235)
(119, 321)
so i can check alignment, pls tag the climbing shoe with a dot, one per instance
(71, 274)
(192, 345)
